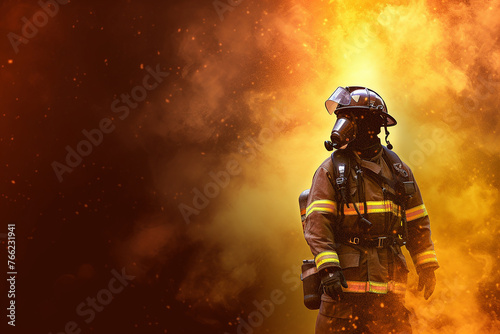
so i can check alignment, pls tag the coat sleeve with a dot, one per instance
(419, 242)
(320, 215)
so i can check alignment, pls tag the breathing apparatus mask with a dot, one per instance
(360, 114)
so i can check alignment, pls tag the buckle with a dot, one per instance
(340, 181)
(354, 241)
(380, 243)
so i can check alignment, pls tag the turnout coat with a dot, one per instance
(371, 260)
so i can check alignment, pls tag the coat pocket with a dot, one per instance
(349, 260)
(352, 263)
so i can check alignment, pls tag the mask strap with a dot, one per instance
(387, 133)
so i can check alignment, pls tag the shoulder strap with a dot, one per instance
(405, 187)
(395, 163)
(341, 162)
(341, 166)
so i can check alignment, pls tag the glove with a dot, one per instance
(333, 282)
(427, 279)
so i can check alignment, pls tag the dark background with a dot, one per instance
(228, 76)
(72, 234)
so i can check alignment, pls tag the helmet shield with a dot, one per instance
(339, 96)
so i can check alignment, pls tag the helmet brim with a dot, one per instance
(391, 121)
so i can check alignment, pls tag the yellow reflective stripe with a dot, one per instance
(375, 287)
(378, 287)
(326, 257)
(323, 205)
(334, 253)
(319, 210)
(320, 263)
(416, 212)
(425, 257)
(321, 201)
(372, 207)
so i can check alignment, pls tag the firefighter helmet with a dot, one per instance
(356, 98)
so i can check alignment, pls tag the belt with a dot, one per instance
(378, 242)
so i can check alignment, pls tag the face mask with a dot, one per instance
(343, 132)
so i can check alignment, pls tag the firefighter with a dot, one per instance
(363, 206)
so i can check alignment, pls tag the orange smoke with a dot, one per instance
(258, 81)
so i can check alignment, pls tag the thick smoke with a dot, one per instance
(437, 67)
(196, 192)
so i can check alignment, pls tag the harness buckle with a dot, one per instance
(340, 181)
(380, 243)
(354, 241)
